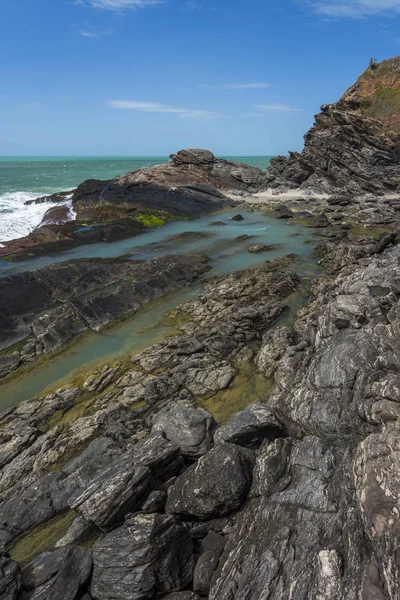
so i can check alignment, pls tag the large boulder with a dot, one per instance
(216, 485)
(190, 428)
(123, 487)
(250, 427)
(59, 574)
(149, 556)
(114, 493)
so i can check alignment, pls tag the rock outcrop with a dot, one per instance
(193, 183)
(354, 146)
(44, 310)
(296, 496)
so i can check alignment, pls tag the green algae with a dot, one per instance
(150, 220)
(15, 347)
(42, 538)
(374, 231)
(247, 387)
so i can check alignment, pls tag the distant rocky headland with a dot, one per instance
(252, 455)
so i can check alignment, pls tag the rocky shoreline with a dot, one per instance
(133, 465)
(242, 458)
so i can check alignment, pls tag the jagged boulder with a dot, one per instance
(190, 428)
(215, 486)
(10, 579)
(354, 146)
(250, 427)
(58, 574)
(146, 558)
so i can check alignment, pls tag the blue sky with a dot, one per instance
(147, 77)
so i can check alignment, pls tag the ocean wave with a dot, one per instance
(17, 219)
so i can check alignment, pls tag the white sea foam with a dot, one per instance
(17, 219)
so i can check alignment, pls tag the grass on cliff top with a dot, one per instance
(378, 92)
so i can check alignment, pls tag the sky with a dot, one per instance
(149, 77)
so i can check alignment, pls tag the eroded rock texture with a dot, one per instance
(296, 496)
(44, 310)
(354, 146)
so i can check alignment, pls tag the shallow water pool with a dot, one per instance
(219, 242)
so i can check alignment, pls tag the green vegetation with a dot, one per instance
(247, 387)
(42, 538)
(150, 220)
(15, 348)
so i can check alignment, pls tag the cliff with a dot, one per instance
(354, 145)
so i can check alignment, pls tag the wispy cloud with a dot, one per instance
(353, 9)
(120, 5)
(93, 34)
(236, 86)
(277, 108)
(156, 107)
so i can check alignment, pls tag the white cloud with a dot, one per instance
(277, 108)
(354, 9)
(88, 34)
(93, 34)
(120, 5)
(156, 107)
(237, 86)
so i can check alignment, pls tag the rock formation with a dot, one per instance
(354, 146)
(193, 183)
(44, 310)
(242, 459)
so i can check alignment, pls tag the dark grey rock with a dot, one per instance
(215, 486)
(147, 557)
(10, 579)
(122, 488)
(114, 493)
(250, 427)
(155, 503)
(47, 308)
(190, 428)
(59, 574)
(181, 596)
(203, 572)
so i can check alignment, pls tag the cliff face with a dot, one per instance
(354, 145)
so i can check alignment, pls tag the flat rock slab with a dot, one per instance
(45, 309)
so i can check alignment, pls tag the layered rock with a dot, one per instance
(354, 146)
(193, 183)
(295, 496)
(46, 309)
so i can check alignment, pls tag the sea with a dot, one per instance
(28, 177)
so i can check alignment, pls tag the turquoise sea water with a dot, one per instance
(227, 248)
(27, 177)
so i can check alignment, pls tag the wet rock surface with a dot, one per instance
(294, 496)
(46, 309)
(193, 183)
